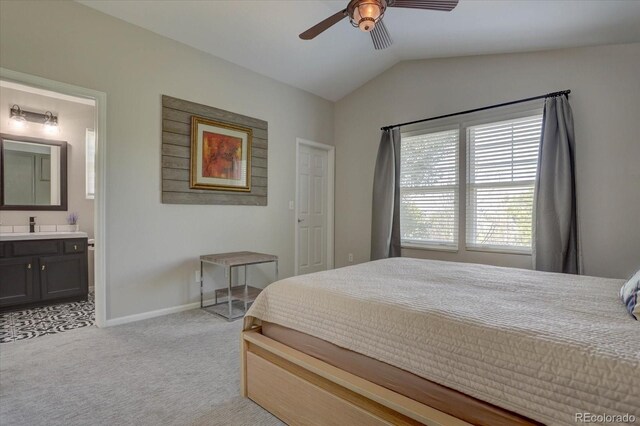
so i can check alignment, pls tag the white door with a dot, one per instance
(312, 209)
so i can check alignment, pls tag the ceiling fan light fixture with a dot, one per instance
(367, 24)
(364, 14)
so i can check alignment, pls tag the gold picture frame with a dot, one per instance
(220, 156)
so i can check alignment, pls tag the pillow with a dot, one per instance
(630, 294)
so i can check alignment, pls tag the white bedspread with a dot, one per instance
(543, 345)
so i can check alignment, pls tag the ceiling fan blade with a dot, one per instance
(443, 5)
(380, 36)
(323, 25)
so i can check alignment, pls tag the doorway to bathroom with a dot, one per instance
(58, 286)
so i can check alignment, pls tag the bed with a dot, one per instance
(477, 344)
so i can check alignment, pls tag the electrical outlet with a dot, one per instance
(350, 257)
(197, 275)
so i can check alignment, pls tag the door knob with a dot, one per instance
(300, 220)
(29, 266)
(43, 267)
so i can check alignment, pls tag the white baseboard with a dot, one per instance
(152, 314)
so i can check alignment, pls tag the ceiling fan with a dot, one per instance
(367, 15)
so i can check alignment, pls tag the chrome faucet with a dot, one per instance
(32, 224)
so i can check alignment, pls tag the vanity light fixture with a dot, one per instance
(50, 122)
(18, 119)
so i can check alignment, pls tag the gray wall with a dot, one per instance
(152, 248)
(74, 119)
(606, 104)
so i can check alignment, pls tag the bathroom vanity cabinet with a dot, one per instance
(42, 269)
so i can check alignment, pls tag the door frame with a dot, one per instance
(100, 200)
(331, 166)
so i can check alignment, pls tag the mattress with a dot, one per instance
(408, 384)
(546, 346)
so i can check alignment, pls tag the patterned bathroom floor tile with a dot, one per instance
(28, 314)
(6, 334)
(26, 323)
(31, 323)
(5, 320)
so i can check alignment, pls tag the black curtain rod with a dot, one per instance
(548, 95)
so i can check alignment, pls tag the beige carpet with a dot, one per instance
(180, 369)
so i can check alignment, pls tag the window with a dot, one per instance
(502, 159)
(492, 209)
(90, 163)
(429, 189)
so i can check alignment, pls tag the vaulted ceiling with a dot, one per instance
(262, 35)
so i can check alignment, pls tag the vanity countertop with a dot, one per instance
(19, 236)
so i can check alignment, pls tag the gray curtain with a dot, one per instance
(555, 231)
(385, 217)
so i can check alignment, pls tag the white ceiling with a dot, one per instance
(262, 35)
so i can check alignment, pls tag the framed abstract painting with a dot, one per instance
(220, 156)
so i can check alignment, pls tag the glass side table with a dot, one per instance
(236, 297)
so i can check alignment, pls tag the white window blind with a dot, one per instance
(429, 189)
(90, 162)
(502, 162)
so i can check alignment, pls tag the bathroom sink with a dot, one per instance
(17, 236)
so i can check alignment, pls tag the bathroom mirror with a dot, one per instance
(33, 173)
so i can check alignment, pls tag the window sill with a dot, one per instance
(500, 250)
(429, 248)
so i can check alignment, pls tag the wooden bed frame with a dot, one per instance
(300, 389)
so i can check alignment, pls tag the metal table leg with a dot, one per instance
(276, 270)
(201, 284)
(229, 298)
(246, 290)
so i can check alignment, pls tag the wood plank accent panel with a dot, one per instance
(176, 155)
